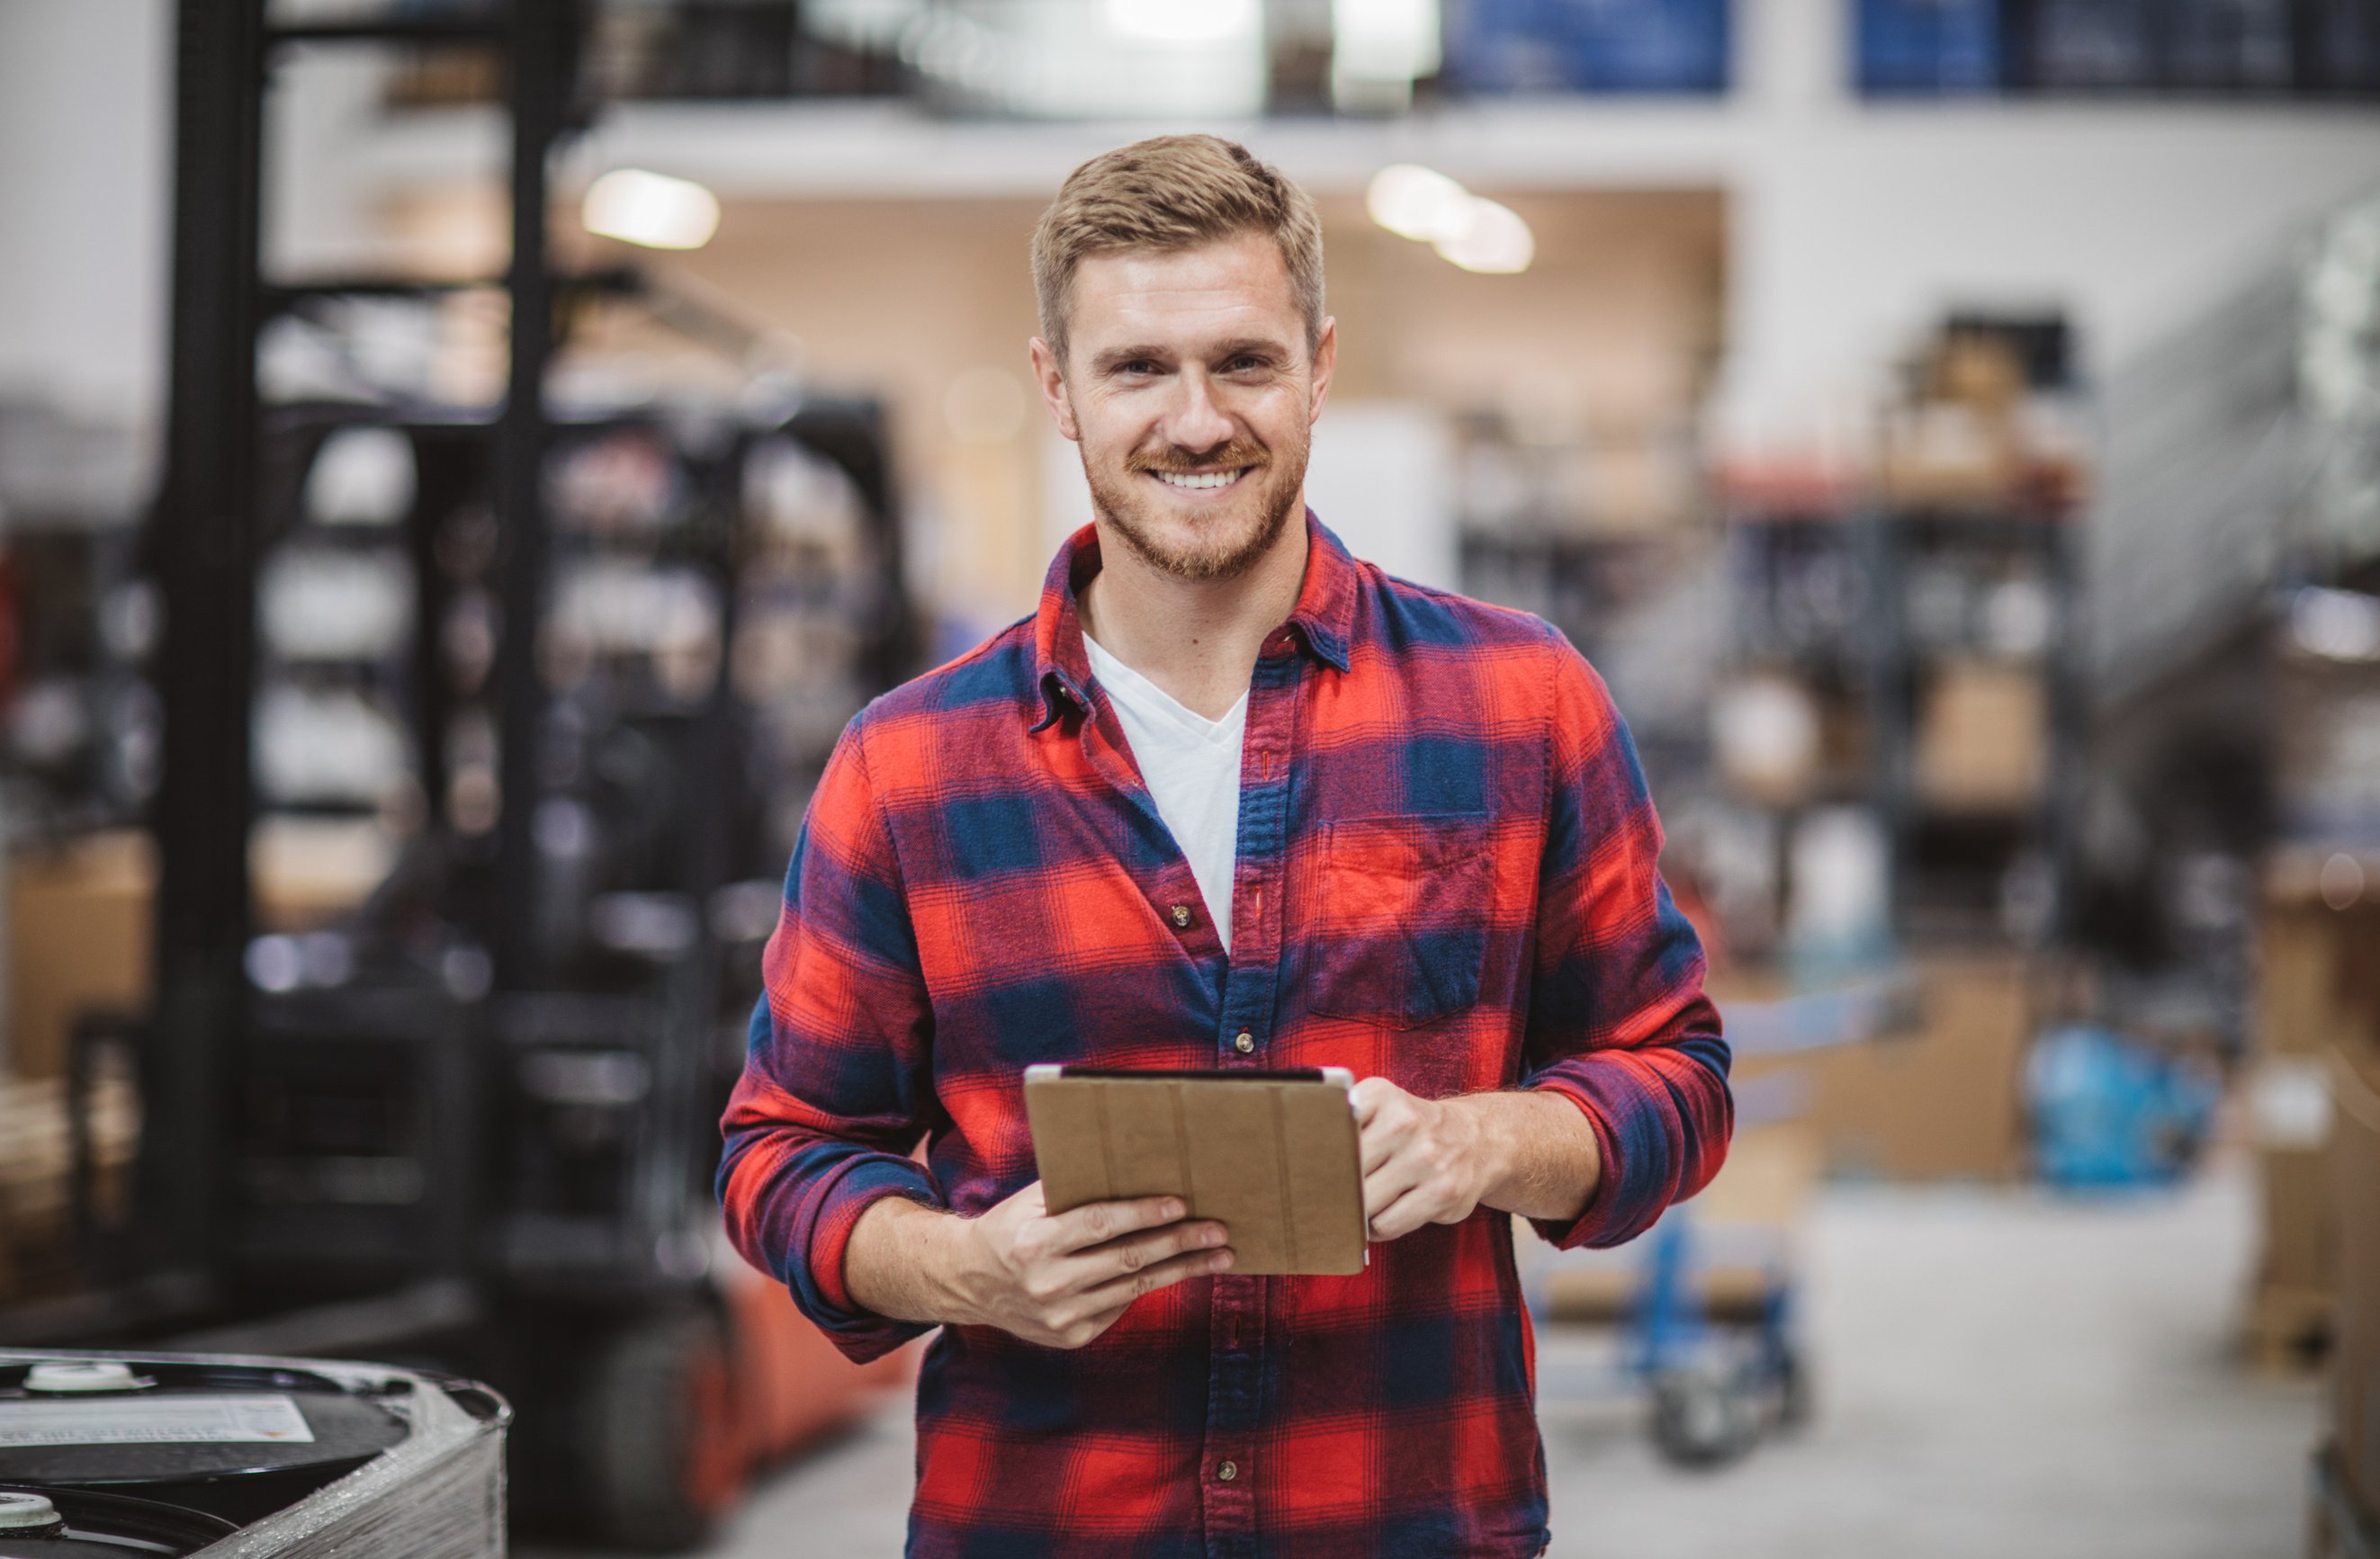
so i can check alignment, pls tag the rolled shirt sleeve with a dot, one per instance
(837, 1083)
(1618, 1022)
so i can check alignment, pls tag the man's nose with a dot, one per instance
(1196, 422)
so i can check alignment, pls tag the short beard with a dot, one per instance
(1226, 557)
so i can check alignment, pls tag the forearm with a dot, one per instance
(899, 1259)
(1056, 1279)
(1538, 1154)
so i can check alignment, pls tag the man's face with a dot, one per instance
(1189, 386)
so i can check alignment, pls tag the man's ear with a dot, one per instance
(1325, 362)
(1050, 375)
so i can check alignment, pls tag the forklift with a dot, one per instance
(469, 1123)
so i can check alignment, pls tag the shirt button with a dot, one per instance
(1228, 1471)
(1181, 914)
(1246, 1043)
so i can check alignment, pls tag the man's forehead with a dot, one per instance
(1238, 285)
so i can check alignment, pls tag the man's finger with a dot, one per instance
(1096, 1223)
(1398, 1219)
(1120, 1258)
(1377, 1142)
(1384, 1184)
(1367, 1095)
(1121, 1291)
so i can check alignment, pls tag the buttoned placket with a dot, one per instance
(1240, 1360)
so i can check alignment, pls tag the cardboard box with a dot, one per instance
(1769, 1177)
(1943, 1101)
(78, 940)
(1744, 1227)
(2300, 1218)
(1982, 743)
(36, 1158)
(1950, 455)
(2317, 970)
(2356, 1361)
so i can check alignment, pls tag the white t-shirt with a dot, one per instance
(1192, 765)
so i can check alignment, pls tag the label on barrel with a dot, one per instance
(265, 1417)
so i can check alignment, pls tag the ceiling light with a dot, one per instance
(1492, 239)
(1412, 201)
(1378, 49)
(653, 209)
(1182, 22)
(2335, 624)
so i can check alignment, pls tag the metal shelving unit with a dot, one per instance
(1825, 601)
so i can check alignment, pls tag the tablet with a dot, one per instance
(1271, 1155)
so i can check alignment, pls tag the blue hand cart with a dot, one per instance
(1705, 1304)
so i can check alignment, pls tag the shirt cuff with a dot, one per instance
(1627, 1198)
(819, 1286)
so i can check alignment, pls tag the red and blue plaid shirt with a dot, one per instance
(1446, 876)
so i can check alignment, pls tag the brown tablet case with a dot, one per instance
(1271, 1155)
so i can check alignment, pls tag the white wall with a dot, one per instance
(84, 201)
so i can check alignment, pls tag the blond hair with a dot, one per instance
(1174, 192)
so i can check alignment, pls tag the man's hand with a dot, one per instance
(1055, 1280)
(1423, 1160)
(1438, 1161)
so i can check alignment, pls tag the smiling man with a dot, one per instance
(1231, 799)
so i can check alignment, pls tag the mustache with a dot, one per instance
(1182, 462)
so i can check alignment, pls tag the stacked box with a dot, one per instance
(2303, 1008)
(2091, 45)
(1497, 46)
(2356, 1372)
(2184, 46)
(1982, 738)
(79, 938)
(2228, 45)
(2342, 47)
(1927, 47)
(1942, 1101)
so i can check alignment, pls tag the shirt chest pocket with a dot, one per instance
(1397, 927)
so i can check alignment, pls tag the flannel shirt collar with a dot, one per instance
(1323, 617)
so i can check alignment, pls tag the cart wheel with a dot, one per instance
(1702, 1418)
(666, 1453)
(1793, 1391)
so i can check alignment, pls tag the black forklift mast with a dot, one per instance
(202, 547)
(543, 49)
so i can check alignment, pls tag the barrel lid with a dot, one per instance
(185, 1420)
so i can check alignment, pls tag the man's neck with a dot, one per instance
(1197, 639)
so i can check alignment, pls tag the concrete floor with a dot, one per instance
(1997, 1372)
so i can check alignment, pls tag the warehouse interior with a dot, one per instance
(464, 462)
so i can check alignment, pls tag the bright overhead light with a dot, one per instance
(1493, 239)
(1182, 22)
(1468, 230)
(2335, 624)
(1412, 201)
(1378, 49)
(653, 209)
